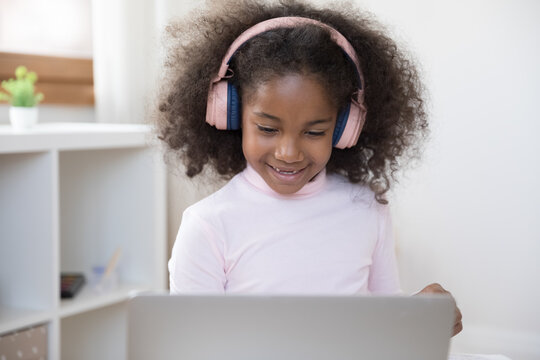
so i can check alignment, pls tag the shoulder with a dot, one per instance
(355, 196)
(357, 193)
(354, 211)
(221, 200)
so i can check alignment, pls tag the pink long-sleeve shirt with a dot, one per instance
(331, 237)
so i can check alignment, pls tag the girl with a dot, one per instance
(310, 112)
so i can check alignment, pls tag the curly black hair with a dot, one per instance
(396, 120)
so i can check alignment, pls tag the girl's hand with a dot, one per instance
(438, 289)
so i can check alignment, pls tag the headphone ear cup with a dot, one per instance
(349, 124)
(223, 108)
(216, 107)
(341, 122)
(234, 108)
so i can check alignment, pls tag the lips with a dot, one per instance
(284, 171)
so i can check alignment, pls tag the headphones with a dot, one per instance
(223, 109)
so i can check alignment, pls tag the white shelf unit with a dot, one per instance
(70, 195)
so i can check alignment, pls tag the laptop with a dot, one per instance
(241, 327)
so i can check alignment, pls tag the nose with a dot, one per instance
(288, 150)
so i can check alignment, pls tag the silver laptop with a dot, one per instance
(237, 327)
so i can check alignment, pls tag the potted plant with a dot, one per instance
(21, 94)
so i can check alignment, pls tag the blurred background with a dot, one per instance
(465, 216)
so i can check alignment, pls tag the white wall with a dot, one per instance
(57, 27)
(125, 48)
(467, 216)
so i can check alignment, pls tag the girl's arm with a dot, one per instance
(383, 274)
(197, 262)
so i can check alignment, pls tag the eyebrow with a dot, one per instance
(275, 118)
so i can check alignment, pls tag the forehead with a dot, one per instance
(292, 93)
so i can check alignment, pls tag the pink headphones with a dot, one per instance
(223, 109)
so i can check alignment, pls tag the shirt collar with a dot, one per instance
(311, 188)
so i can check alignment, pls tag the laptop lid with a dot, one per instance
(238, 327)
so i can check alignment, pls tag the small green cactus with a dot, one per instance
(20, 91)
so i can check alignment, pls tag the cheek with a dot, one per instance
(326, 156)
(322, 152)
(252, 145)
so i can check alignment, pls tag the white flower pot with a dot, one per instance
(23, 118)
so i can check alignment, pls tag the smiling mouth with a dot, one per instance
(286, 172)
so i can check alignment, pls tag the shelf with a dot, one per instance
(27, 221)
(108, 202)
(88, 299)
(71, 195)
(73, 136)
(15, 318)
(97, 334)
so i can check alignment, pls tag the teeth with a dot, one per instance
(286, 172)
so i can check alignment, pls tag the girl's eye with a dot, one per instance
(316, 133)
(266, 130)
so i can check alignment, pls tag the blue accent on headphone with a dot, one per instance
(233, 107)
(341, 122)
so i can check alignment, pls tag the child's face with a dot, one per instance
(287, 127)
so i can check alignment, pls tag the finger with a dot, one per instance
(458, 324)
(459, 316)
(457, 328)
(434, 288)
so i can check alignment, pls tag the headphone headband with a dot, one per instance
(216, 106)
(288, 22)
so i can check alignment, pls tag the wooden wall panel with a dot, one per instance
(62, 80)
